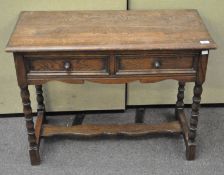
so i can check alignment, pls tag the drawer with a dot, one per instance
(72, 65)
(146, 64)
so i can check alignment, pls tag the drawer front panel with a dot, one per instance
(88, 65)
(144, 64)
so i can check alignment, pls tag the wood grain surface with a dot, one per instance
(113, 129)
(109, 30)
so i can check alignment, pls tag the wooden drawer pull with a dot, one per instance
(67, 65)
(157, 64)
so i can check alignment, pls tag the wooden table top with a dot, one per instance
(109, 30)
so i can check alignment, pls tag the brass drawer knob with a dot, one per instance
(67, 65)
(157, 64)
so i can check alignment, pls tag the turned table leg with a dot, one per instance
(191, 148)
(78, 119)
(40, 101)
(139, 115)
(180, 98)
(33, 146)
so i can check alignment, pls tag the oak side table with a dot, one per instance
(110, 47)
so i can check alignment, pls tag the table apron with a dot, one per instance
(187, 77)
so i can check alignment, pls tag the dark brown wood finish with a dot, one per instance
(113, 47)
(180, 98)
(78, 119)
(109, 30)
(40, 102)
(40, 98)
(112, 130)
(72, 65)
(194, 120)
(111, 67)
(139, 116)
(145, 64)
(33, 146)
(41, 117)
(38, 126)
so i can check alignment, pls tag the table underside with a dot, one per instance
(178, 127)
